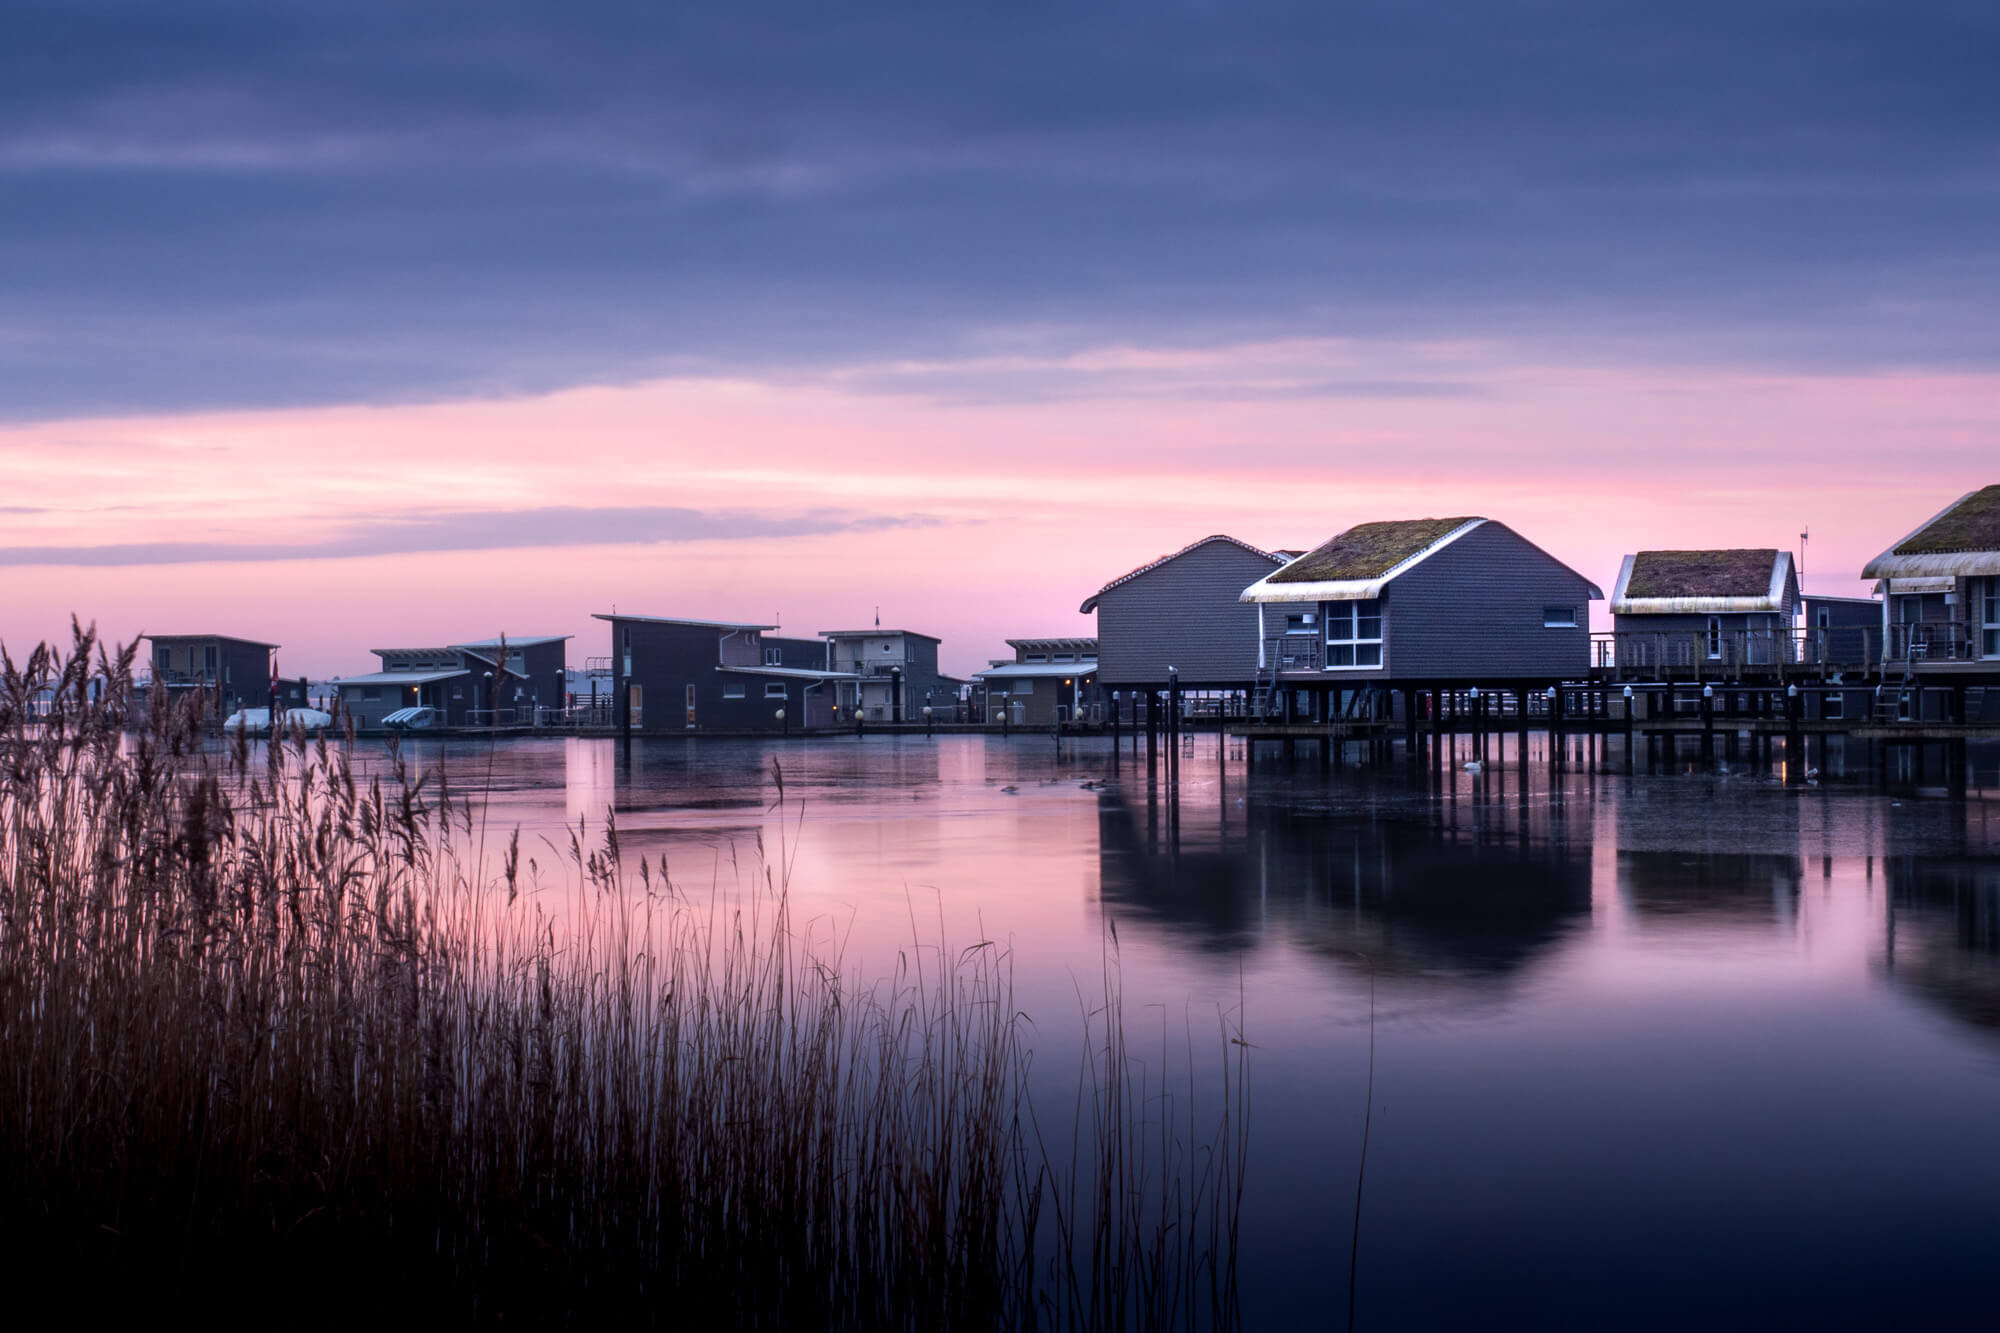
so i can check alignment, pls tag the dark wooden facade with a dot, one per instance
(1183, 611)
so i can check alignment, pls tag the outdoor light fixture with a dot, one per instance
(1708, 691)
(1628, 691)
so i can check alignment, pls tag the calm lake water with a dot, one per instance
(1653, 1051)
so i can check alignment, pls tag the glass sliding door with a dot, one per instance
(1989, 618)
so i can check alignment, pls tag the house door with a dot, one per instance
(1714, 638)
(638, 704)
(690, 704)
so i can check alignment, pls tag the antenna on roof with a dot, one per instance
(878, 617)
(1804, 537)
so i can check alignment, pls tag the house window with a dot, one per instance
(1823, 617)
(1558, 617)
(774, 689)
(372, 692)
(1023, 687)
(163, 657)
(1354, 634)
(208, 659)
(1064, 657)
(1034, 657)
(733, 689)
(1304, 623)
(1989, 615)
(773, 656)
(1714, 638)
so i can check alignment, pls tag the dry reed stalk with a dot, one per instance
(268, 1028)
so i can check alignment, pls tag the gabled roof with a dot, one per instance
(1371, 550)
(1362, 561)
(1716, 582)
(1090, 602)
(671, 620)
(1962, 540)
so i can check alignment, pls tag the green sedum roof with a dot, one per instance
(1973, 524)
(1739, 573)
(1368, 550)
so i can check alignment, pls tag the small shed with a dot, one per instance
(1724, 610)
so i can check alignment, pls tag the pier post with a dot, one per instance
(1630, 704)
(1795, 769)
(1708, 724)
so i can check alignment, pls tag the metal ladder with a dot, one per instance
(1891, 701)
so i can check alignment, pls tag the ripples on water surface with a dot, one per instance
(1659, 1051)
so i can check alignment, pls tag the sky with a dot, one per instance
(353, 326)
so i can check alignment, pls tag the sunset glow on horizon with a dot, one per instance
(335, 530)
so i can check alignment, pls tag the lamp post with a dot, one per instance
(927, 719)
(492, 700)
(782, 723)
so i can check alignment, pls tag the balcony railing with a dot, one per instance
(1295, 652)
(1698, 654)
(181, 679)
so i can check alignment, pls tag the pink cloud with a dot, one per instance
(1028, 505)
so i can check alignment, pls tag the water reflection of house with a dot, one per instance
(1941, 937)
(1746, 887)
(1046, 681)
(1408, 900)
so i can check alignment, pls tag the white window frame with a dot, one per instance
(1343, 630)
(776, 689)
(773, 655)
(1551, 620)
(1035, 658)
(735, 689)
(1712, 639)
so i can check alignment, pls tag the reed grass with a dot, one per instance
(273, 1032)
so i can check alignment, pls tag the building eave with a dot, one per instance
(1934, 564)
